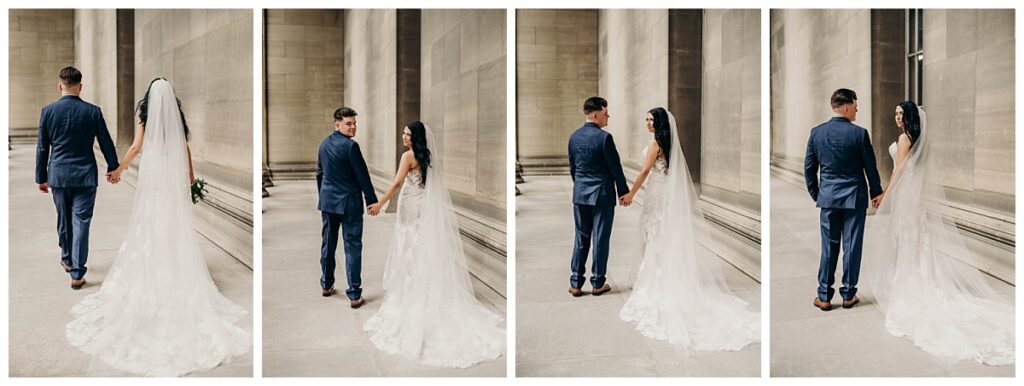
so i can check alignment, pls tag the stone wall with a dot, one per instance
(813, 53)
(303, 81)
(40, 43)
(556, 70)
(207, 57)
(463, 100)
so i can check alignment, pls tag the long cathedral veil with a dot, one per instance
(923, 276)
(680, 294)
(430, 313)
(158, 312)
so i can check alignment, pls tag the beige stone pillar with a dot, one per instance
(40, 43)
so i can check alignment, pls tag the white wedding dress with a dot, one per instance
(429, 314)
(923, 276)
(158, 313)
(680, 294)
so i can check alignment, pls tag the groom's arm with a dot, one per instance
(611, 155)
(42, 150)
(106, 144)
(572, 164)
(870, 168)
(362, 174)
(811, 165)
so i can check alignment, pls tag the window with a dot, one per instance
(915, 56)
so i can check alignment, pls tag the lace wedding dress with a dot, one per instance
(158, 312)
(923, 276)
(680, 294)
(429, 313)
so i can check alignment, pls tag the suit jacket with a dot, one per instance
(64, 151)
(342, 179)
(840, 154)
(595, 168)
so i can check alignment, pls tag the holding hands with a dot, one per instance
(626, 200)
(877, 201)
(114, 176)
(374, 209)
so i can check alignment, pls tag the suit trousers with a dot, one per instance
(352, 233)
(74, 215)
(840, 227)
(593, 224)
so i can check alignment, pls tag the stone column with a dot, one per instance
(40, 43)
(633, 76)
(304, 80)
(888, 57)
(969, 96)
(556, 70)
(730, 137)
(207, 57)
(685, 74)
(463, 94)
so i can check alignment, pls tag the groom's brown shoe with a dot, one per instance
(821, 304)
(356, 303)
(576, 292)
(67, 268)
(852, 302)
(328, 292)
(77, 284)
(602, 290)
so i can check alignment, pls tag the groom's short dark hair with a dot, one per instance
(343, 113)
(594, 104)
(843, 97)
(70, 76)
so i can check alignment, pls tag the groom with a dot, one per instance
(597, 175)
(342, 181)
(66, 166)
(839, 153)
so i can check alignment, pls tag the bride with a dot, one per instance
(680, 293)
(429, 313)
(158, 312)
(924, 279)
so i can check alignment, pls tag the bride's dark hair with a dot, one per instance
(911, 120)
(662, 131)
(419, 147)
(143, 108)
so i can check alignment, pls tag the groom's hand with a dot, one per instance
(626, 200)
(373, 209)
(114, 176)
(44, 188)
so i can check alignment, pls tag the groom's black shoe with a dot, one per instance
(67, 268)
(852, 302)
(602, 290)
(77, 284)
(821, 304)
(328, 291)
(576, 292)
(356, 303)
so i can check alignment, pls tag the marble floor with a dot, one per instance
(806, 342)
(307, 335)
(40, 297)
(558, 335)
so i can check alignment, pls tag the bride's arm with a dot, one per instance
(191, 172)
(652, 155)
(902, 151)
(403, 170)
(133, 151)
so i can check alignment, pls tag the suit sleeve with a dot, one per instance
(42, 149)
(106, 144)
(362, 174)
(611, 155)
(811, 165)
(870, 168)
(319, 172)
(572, 163)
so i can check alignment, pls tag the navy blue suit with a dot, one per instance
(66, 163)
(342, 182)
(840, 172)
(596, 175)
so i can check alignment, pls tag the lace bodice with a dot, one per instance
(892, 154)
(410, 199)
(660, 164)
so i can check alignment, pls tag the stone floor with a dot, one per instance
(558, 335)
(305, 334)
(40, 296)
(806, 342)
